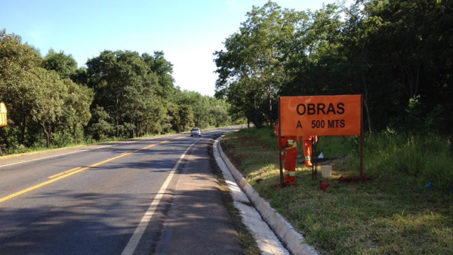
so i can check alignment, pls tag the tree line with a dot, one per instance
(397, 53)
(52, 102)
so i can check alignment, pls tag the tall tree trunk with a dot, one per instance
(365, 103)
(47, 133)
(74, 132)
(269, 124)
(117, 118)
(22, 134)
(137, 129)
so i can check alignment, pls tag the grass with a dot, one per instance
(393, 213)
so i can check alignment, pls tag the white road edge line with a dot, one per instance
(53, 156)
(138, 233)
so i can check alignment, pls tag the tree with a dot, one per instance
(163, 69)
(118, 79)
(132, 89)
(63, 64)
(399, 52)
(37, 97)
(181, 117)
(253, 63)
(219, 113)
(120, 93)
(77, 106)
(48, 105)
(100, 126)
(17, 83)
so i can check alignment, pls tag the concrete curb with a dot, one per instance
(294, 241)
(266, 239)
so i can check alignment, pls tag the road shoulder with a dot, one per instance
(294, 241)
(198, 221)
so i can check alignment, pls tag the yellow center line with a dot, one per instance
(65, 172)
(71, 172)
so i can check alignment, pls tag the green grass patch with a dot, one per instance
(393, 213)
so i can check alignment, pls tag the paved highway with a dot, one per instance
(112, 199)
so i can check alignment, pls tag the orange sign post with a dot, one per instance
(338, 115)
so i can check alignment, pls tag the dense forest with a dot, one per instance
(119, 94)
(397, 53)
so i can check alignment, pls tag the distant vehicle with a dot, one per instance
(195, 132)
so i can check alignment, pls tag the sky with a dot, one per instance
(187, 31)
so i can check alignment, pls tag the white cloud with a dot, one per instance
(194, 68)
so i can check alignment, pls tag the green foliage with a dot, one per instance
(64, 65)
(47, 108)
(137, 93)
(77, 108)
(163, 69)
(385, 215)
(251, 69)
(207, 111)
(121, 84)
(119, 94)
(395, 53)
(181, 117)
(424, 158)
(100, 125)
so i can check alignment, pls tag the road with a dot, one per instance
(136, 197)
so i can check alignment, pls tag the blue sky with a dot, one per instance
(188, 31)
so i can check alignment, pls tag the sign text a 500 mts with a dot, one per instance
(321, 115)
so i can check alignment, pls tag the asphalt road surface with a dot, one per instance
(148, 196)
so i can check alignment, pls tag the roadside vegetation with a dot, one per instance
(119, 94)
(396, 53)
(405, 207)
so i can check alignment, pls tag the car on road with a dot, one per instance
(195, 132)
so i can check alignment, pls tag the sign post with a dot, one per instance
(282, 183)
(338, 115)
(361, 137)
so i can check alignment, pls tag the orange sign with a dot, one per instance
(321, 115)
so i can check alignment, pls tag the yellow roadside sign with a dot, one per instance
(3, 115)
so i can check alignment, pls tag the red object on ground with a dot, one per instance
(323, 185)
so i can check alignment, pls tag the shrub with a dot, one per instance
(427, 158)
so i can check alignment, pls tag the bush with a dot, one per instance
(426, 158)
(422, 159)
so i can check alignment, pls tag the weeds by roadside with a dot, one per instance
(394, 213)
